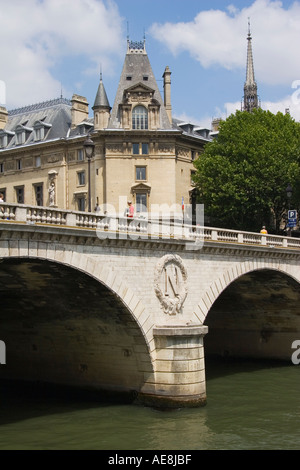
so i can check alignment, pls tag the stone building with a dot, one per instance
(141, 153)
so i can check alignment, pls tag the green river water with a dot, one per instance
(250, 406)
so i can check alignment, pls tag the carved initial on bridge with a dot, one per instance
(170, 283)
(171, 278)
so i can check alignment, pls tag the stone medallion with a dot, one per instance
(170, 283)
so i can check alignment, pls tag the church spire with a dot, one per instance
(250, 86)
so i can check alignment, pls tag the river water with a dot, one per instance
(251, 405)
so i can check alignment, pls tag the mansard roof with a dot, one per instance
(53, 115)
(190, 129)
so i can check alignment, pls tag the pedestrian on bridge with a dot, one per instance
(1, 200)
(264, 230)
(130, 212)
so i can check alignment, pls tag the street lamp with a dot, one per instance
(89, 146)
(289, 191)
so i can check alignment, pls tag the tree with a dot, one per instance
(242, 175)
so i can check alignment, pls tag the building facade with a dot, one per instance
(140, 153)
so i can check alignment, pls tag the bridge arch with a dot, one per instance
(256, 315)
(72, 323)
(232, 274)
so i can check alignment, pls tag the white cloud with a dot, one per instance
(215, 37)
(36, 35)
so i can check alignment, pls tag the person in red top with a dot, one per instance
(130, 209)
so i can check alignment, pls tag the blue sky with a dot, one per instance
(58, 45)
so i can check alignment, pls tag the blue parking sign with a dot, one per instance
(292, 214)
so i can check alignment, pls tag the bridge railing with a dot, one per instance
(112, 226)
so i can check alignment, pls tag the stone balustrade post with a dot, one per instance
(71, 219)
(263, 240)
(21, 214)
(214, 235)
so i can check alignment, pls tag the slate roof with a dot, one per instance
(101, 99)
(188, 128)
(137, 67)
(53, 115)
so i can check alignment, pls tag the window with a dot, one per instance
(5, 137)
(145, 149)
(139, 118)
(80, 155)
(81, 178)
(140, 149)
(19, 164)
(81, 203)
(140, 173)
(141, 202)
(37, 162)
(1, 167)
(136, 149)
(3, 192)
(20, 194)
(20, 138)
(38, 188)
(145, 78)
(38, 133)
(128, 78)
(194, 155)
(40, 129)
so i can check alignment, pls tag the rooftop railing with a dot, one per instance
(112, 226)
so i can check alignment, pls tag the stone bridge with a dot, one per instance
(113, 305)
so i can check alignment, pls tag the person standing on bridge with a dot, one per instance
(130, 212)
(264, 230)
(1, 200)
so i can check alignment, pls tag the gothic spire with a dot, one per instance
(250, 86)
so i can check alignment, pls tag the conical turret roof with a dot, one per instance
(101, 99)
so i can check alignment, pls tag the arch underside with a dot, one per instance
(65, 327)
(257, 315)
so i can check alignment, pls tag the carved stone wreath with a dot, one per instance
(170, 283)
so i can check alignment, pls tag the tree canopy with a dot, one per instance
(242, 175)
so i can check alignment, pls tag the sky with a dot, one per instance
(60, 47)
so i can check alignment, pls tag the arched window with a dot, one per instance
(139, 118)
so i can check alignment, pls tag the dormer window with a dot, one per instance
(5, 138)
(20, 137)
(140, 118)
(85, 127)
(22, 133)
(40, 129)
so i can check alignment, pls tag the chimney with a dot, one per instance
(167, 92)
(3, 117)
(215, 124)
(80, 110)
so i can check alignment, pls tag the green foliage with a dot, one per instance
(242, 175)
